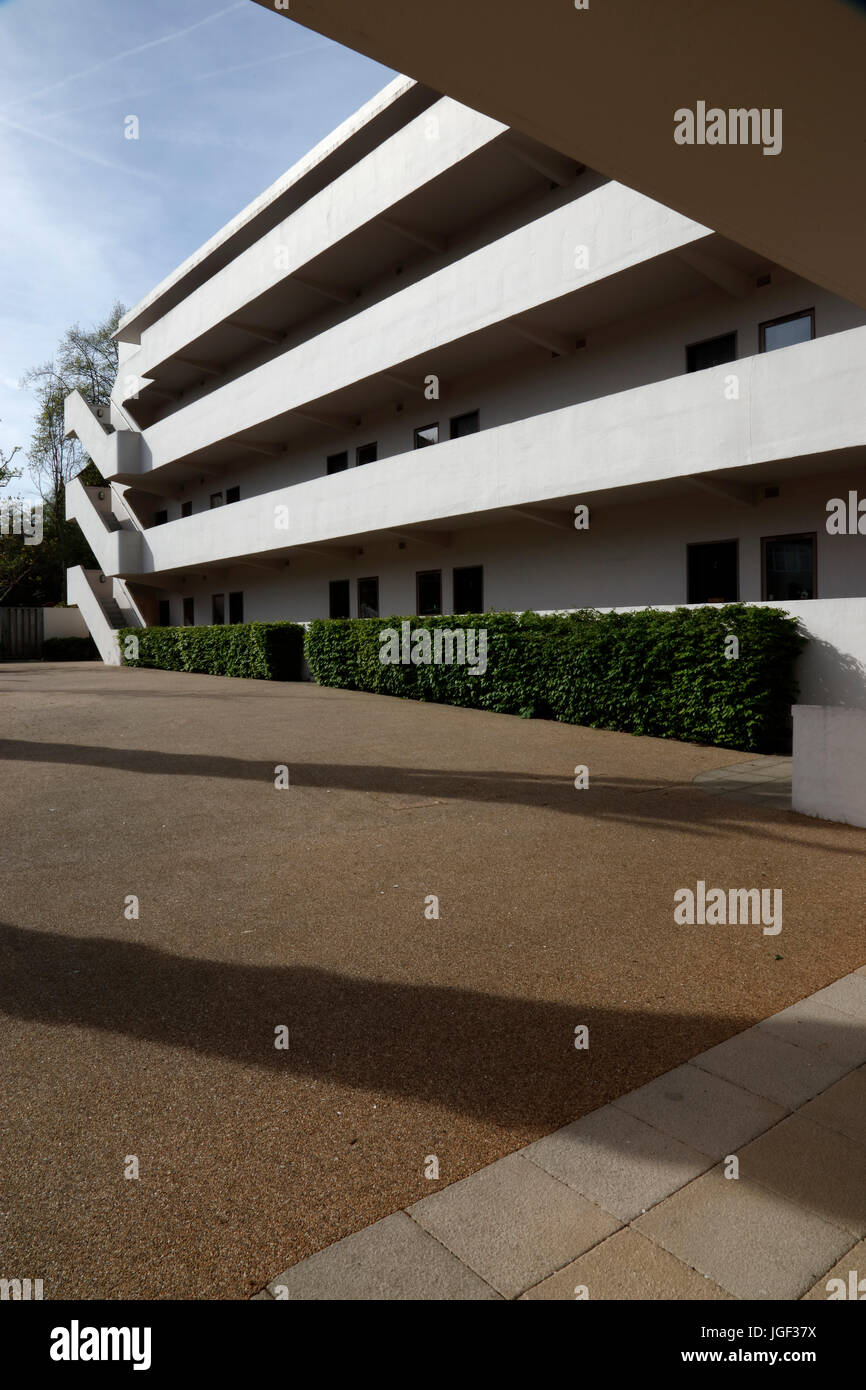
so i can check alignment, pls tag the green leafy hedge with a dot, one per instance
(262, 651)
(69, 649)
(651, 672)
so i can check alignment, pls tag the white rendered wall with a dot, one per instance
(64, 622)
(829, 770)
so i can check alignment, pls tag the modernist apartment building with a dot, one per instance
(388, 384)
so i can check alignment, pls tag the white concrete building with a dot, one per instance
(387, 384)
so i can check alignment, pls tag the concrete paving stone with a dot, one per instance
(854, 1262)
(617, 1161)
(768, 1066)
(848, 995)
(513, 1223)
(818, 1027)
(749, 1240)
(818, 1168)
(262, 1294)
(627, 1266)
(705, 1111)
(842, 1107)
(393, 1259)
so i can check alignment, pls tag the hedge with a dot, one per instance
(262, 651)
(69, 649)
(663, 674)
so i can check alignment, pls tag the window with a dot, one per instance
(712, 352)
(165, 612)
(186, 509)
(428, 586)
(338, 463)
(465, 424)
(233, 494)
(788, 566)
(784, 332)
(469, 589)
(218, 608)
(713, 572)
(338, 599)
(189, 612)
(367, 453)
(368, 598)
(216, 499)
(160, 518)
(236, 608)
(428, 434)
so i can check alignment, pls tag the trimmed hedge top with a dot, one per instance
(262, 651)
(651, 672)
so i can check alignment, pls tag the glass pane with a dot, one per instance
(368, 598)
(779, 335)
(428, 435)
(790, 569)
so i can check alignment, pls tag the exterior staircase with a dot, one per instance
(106, 604)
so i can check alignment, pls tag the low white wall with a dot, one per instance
(64, 622)
(829, 776)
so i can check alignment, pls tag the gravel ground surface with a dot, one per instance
(305, 907)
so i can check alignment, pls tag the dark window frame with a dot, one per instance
(236, 490)
(215, 621)
(784, 318)
(331, 463)
(332, 583)
(367, 579)
(189, 606)
(458, 569)
(790, 536)
(423, 574)
(714, 338)
(465, 415)
(434, 425)
(185, 510)
(164, 603)
(725, 540)
(236, 594)
(220, 503)
(160, 518)
(362, 463)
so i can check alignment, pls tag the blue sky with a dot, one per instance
(228, 96)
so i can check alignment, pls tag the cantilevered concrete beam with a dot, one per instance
(561, 521)
(721, 487)
(601, 84)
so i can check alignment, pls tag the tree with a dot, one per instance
(85, 361)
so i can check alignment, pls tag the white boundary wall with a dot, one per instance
(829, 779)
(64, 622)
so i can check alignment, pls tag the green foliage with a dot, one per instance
(663, 674)
(261, 651)
(69, 649)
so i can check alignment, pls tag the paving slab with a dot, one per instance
(842, 1107)
(627, 1266)
(851, 1269)
(391, 1260)
(819, 1169)
(749, 1240)
(513, 1223)
(617, 1161)
(815, 1025)
(704, 1111)
(848, 995)
(765, 1064)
